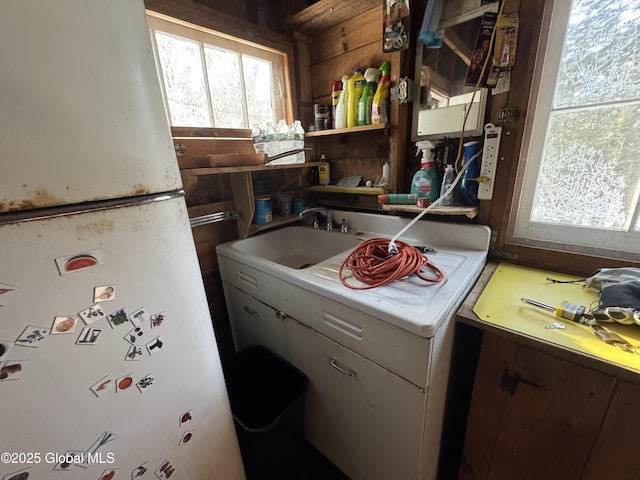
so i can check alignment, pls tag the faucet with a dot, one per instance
(323, 210)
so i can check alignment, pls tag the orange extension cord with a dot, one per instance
(371, 264)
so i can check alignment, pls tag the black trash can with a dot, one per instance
(267, 400)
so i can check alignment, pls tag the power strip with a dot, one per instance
(489, 164)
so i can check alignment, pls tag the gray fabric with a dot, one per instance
(608, 276)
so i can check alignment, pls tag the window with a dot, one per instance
(580, 185)
(210, 79)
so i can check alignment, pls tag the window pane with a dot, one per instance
(589, 174)
(184, 81)
(223, 73)
(259, 88)
(600, 57)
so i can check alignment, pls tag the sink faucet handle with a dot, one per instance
(329, 222)
(316, 222)
(344, 228)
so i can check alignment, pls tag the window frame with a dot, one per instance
(278, 53)
(603, 243)
(532, 38)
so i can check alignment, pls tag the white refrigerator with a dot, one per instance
(108, 362)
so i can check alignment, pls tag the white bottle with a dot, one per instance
(341, 108)
(258, 139)
(385, 174)
(447, 181)
(271, 146)
(298, 135)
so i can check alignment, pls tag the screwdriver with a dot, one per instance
(577, 313)
(569, 311)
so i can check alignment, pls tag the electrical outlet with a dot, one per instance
(489, 164)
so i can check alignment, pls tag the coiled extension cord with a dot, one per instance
(373, 265)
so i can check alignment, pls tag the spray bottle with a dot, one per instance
(425, 180)
(366, 99)
(380, 104)
(341, 108)
(355, 85)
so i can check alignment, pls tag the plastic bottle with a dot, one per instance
(284, 137)
(366, 99)
(298, 135)
(341, 109)
(447, 181)
(385, 174)
(355, 85)
(425, 181)
(271, 147)
(324, 173)
(258, 139)
(336, 93)
(398, 198)
(380, 104)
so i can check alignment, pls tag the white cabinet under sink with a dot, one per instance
(366, 419)
(256, 323)
(368, 381)
(377, 361)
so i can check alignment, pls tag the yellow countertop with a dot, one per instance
(500, 305)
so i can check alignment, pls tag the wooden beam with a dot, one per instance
(459, 47)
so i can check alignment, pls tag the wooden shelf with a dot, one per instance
(470, 212)
(340, 131)
(277, 221)
(249, 168)
(325, 14)
(340, 189)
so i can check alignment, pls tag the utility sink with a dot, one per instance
(297, 247)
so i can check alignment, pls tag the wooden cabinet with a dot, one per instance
(534, 415)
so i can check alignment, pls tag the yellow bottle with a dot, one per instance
(355, 85)
(380, 106)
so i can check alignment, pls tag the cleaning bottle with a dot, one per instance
(366, 99)
(355, 85)
(380, 104)
(341, 108)
(447, 181)
(336, 92)
(425, 180)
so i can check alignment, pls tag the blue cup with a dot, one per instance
(298, 206)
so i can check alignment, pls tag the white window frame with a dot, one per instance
(615, 244)
(278, 59)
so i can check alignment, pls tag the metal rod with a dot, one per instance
(213, 218)
(538, 304)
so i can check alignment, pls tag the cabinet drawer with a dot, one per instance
(362, 417)
(254, 323)
(262, 286)
(404, 353)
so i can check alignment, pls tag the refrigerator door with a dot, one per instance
(82, 117)
(136, 380)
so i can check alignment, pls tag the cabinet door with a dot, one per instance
(255, 323)
(532, 415)
(614, 454)
(365, 419)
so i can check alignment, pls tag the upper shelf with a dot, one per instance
(325, 14)
(339, 131)
(249, 168)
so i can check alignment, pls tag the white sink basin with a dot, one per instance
(297, 247)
